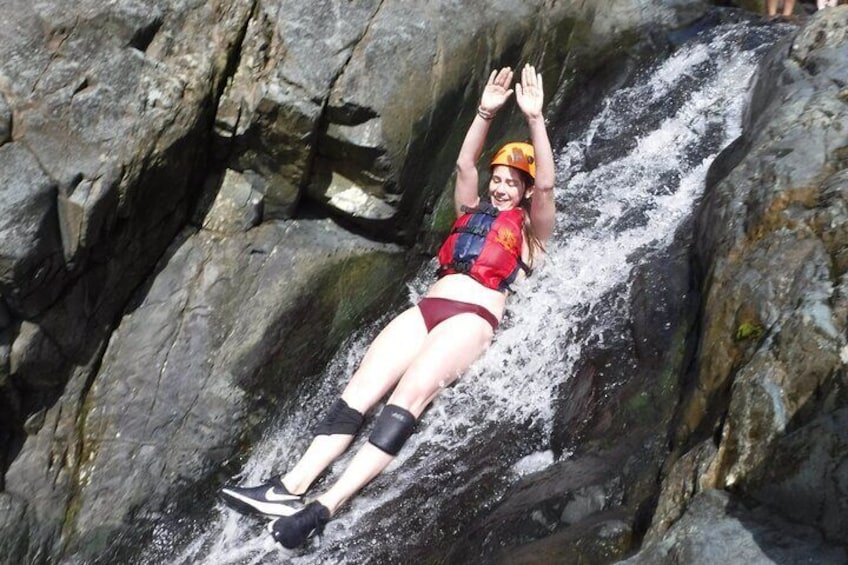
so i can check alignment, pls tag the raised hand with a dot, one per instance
(497, 91)
(529, 92)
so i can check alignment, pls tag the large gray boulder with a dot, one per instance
(80, 80)
(106, 112)
(173, 395)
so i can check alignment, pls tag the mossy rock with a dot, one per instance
(748, 330)
(356, 288)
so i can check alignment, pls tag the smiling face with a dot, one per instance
(506, 187)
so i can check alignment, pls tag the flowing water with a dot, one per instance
(625, 184)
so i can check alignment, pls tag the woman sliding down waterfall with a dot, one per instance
(428, 346)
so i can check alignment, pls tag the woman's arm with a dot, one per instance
(495, 94)
(530, 97)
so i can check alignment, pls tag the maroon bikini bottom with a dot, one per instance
(437, 310)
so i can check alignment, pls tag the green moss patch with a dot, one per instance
(748, 330)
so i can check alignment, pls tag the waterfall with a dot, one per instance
(625, 184)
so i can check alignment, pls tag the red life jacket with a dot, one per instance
(485, 244)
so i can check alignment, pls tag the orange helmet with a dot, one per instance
(519, 155)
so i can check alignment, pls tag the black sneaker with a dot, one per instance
(292, 531)
(271, 498)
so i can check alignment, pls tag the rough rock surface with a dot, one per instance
(13, 523)
(106, 112)
(577, 511)
(719, 529)
(807, 478)
(237, 206)
(764, 414)
(109, 116)
(174, 388)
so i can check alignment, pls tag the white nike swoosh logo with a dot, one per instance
(272, 496)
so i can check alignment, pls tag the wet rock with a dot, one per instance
(719, 529)
(623, 391)
(176, 390)
(576, 510)
(602, 538)
(611, 416)
(630, 383)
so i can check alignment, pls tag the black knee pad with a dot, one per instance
(340, 419)
(392, 428)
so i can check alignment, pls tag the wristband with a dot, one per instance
(485, 114)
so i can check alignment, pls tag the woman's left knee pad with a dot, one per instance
(340, 419)
(392, 428)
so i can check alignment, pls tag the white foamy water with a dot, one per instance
(610, 214)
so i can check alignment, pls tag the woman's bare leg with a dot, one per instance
(322, 451)
(450, 348)
(387, 358)
(771, 7)
(788, 7)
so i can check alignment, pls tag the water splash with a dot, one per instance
(614, 206)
